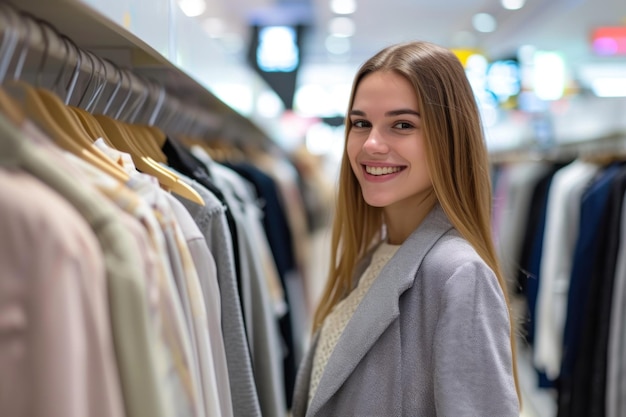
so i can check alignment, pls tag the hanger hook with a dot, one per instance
(118, 85)
(167, 120)
(145, 93)
(76, 72)
(91, 75)
(95, 97)
(43, 26)
(10, 40)
(158, 106)
(18, 36)
(17, 72)
(130, 92)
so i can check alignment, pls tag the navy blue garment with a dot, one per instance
(589, 374)
(593, 206)
(532, 247)
(530, 259)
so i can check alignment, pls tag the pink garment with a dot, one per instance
(56, 353)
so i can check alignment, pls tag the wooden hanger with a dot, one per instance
(45, 109)
(133, 140)
(157, 135)
(143, 140)
(86, 119)
(11, 109)
(36, 110)
(69, 121)
(123, 141)
(222, 151)
(138, 131)
(155, 138)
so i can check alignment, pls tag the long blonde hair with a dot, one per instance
(457, 158)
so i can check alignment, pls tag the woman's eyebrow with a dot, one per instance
(389, 113)
(402, 111)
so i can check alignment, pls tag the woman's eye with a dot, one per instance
(360, 124)
(403, 125)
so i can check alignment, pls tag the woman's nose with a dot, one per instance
(375, 143)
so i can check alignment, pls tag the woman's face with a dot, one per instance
(386, 144)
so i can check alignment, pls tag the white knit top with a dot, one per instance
(337, 320)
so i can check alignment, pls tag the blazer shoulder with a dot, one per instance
(450, 253)
(454, 247)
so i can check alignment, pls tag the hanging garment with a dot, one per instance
(279, 237)
(513, 205)
(211, 351)
(560, 235)
(66, 316)
(532, 248)
(616, 361)
(212, 222)
(53, 308)
(590, 369)
(593, 204)
(176, 367)
(265, 304)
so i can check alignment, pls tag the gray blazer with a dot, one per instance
(430, 338)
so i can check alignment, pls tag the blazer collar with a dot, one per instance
(382, 300)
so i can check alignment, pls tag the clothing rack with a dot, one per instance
(558, 229)
(198, 260)
(36, 51)
(607, 146)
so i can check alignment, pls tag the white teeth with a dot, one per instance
(381, 170)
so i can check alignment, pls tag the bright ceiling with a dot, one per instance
(563, 25)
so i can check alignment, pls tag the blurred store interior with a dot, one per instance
(549, 75)
(537, 65)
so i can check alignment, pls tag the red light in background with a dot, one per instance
(609, 40)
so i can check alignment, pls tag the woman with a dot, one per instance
(414, 319)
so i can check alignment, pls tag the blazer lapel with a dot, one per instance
(303, 379)
(379, 308)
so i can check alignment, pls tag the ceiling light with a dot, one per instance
(341, 26)
(549, 80)
(192, 8)
(513, 4)
(343, 6)
(484, 22)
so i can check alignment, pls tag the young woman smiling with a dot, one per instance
(414, 319)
